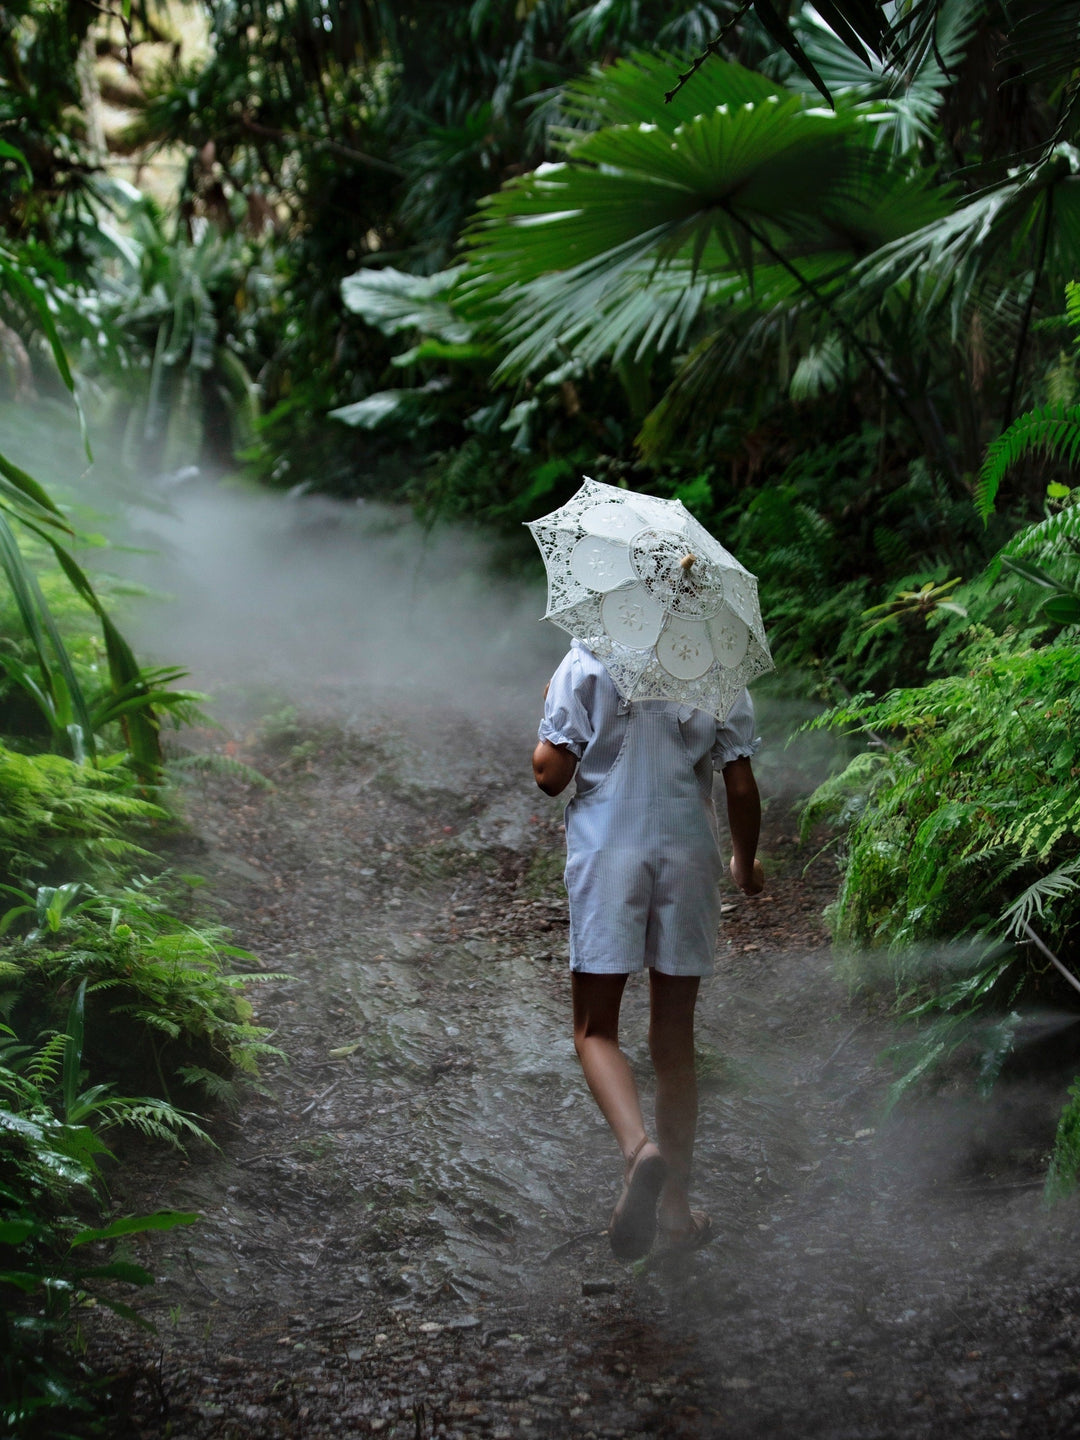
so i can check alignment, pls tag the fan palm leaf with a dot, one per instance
(703, 205)
(946, 259)
(627, 93)
(909, 97)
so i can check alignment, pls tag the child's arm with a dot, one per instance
(744, 821)
(553, 766)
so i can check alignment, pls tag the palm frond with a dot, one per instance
(940, 264)
(559, 257)
(1042, 41)
(630, 92)
(824, 368)
(909, 96)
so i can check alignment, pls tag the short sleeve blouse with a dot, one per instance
(571, 711)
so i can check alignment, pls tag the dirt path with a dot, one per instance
(403, 1234)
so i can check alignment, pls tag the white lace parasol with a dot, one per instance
(671, 614)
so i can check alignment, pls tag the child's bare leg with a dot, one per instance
(671, 1044)
(596, 1038)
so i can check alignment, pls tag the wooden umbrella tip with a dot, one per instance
(687, 562)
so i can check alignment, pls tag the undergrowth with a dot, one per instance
(120, 1008)
(959, 820)
(53, 1260)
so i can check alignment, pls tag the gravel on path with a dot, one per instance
(402, 1231)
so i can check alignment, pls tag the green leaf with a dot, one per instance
(21, 1280)
(14, 1232)
(1030, 571)
(1062, 609)
(25, 494)
(9, 152)
(38, 305)
(778, 28)
(393, 301)
(137, 1224)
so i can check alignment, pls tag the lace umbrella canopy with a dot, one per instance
(671, 614)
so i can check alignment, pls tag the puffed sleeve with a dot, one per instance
(566, 717)
(735, 739)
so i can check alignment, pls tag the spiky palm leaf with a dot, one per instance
(908, 97)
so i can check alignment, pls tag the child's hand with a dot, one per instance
(553, 767)
(752, 884)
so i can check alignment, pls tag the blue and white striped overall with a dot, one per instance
(643, 859)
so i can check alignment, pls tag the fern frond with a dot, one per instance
(215, 1087)
(44, 1069)
(1032, 902)
(1054, 429)
(156, 1119)
(1056, 537)
(220, 765)
(148, 1017)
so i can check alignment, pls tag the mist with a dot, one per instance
(343, 606)
(354, 608)
(848, 1242)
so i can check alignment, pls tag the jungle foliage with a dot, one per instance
(802, 267)
(90, 948)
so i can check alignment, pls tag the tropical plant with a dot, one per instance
(51, 1164)
(171, 984)
(960, 824)
(367, 136)
(58, 814)
(1053, 429)
(744, 208)
(172, 302)
(50, 680)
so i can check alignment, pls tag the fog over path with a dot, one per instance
(404, 1235)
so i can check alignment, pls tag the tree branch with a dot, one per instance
(318, 142)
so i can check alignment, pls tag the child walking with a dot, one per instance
(643, 871)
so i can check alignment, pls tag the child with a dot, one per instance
(642, 874)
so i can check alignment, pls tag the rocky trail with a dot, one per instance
(402, 1232)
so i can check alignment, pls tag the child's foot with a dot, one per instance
(633, 1221)
(696, 1230)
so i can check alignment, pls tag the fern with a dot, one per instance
(1033, 902)
(965, 819)
(217, 1088)
(1055, 538)
(1054, 429)
(44, 1069)
(1064, 1173)
(156, 1119)
(221, 765)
